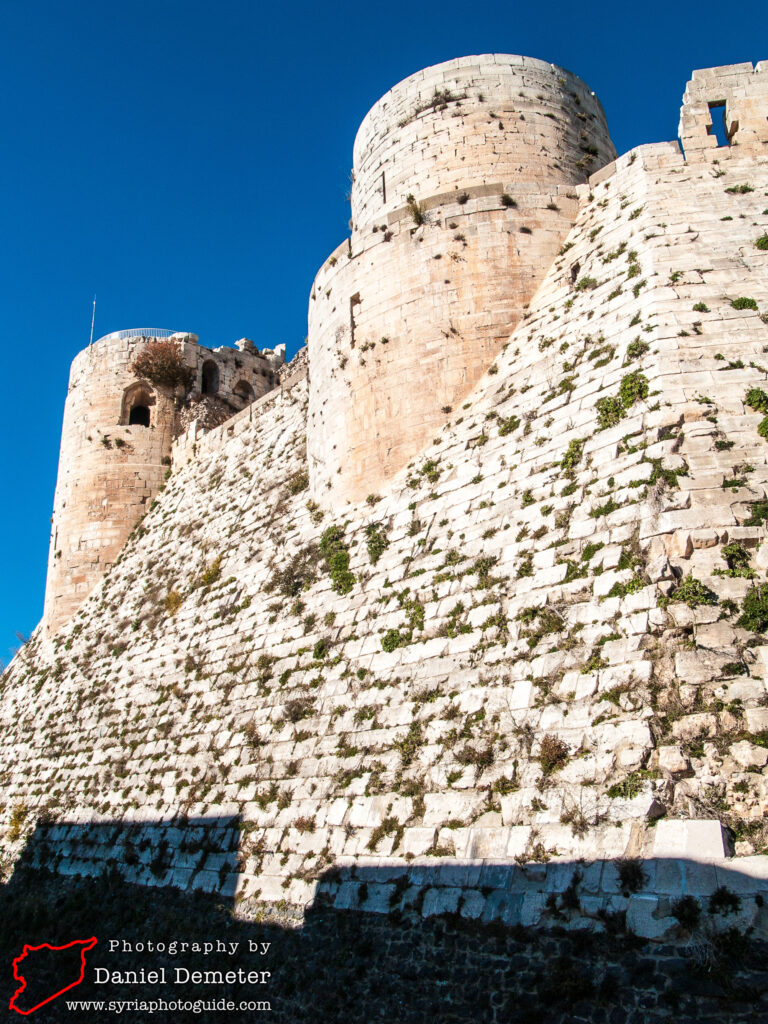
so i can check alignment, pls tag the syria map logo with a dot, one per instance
(48, 963)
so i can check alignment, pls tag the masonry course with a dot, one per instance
(538, 643)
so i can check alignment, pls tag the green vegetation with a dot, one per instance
(320, 649)
(632, 876)
(757, 399)
(210, 573)
(590, 550)
(758, 513)
(724, 901)
(636, 349)
(508, 425)
(612, 409)
(633, 387)
(737, 559)
(586, 284)
(572, 456)
(693, 592)
(376, 542)
(336, 556)
(754, 609)
(744, 303)
(762, 242)
(628, 788)
(632, 585)
(410, 744)
(393, 639)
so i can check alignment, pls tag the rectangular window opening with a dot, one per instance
(718, 126)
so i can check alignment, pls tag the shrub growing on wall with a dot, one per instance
(162, 364)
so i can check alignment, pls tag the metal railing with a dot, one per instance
(139, 332)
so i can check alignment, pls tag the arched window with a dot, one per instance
(138, 400)
(243, 393)
(210, 385)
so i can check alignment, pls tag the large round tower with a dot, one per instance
(116, 444)
(462, 195)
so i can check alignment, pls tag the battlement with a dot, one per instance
(738, 95)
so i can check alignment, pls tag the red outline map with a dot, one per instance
(85, 943)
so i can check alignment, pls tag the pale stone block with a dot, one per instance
(672, 759)
(748, 755)
(700, 840)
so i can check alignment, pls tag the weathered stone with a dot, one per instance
(695, 840)
(748, 755)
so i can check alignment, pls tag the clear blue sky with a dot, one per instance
(188, 161)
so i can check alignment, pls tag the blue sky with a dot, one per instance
(188, 162)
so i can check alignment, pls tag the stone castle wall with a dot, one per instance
(407, 316)
(109, 469)
(540, 651)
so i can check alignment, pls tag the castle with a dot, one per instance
(484, 584)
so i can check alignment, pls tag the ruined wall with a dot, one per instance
(110, 469)
(406, 316)
(737, 93)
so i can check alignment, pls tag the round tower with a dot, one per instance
(462, 195)
(116, 444)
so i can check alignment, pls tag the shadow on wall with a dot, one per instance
(442, 942)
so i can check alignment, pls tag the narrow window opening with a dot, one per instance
(210, 383)
(383, 187)
(718, 127)
(139, 416)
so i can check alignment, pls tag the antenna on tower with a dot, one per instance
(93, 319)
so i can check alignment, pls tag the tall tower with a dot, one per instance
(116, 444)
(462, 195)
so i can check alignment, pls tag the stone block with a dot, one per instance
(748, 755)
(440, 901)
(644, 920)
(699, 840)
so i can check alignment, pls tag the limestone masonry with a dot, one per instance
(474, 600)
(116, 446)
(462, 193)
